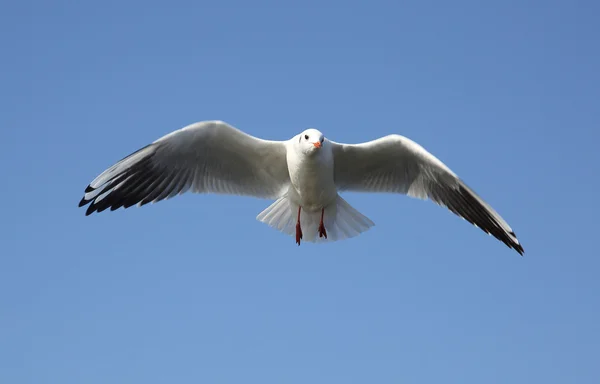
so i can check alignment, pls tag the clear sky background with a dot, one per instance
(195, 290)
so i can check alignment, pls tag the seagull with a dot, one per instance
(304, 175)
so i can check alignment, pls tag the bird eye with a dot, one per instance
(305, 137)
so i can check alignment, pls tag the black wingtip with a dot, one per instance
(83, 201)
(516, 246)
(520, 249)
(91, 209)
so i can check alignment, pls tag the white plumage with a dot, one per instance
(303, 174)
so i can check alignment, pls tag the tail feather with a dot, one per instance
(341, 220)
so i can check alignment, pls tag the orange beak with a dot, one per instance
(317, 144)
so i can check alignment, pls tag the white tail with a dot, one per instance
(341, 220)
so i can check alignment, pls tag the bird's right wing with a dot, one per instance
(208, 156)
(397, 164)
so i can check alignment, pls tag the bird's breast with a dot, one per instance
(313, 185)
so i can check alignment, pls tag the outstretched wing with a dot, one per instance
(399, 165)
(208, 156)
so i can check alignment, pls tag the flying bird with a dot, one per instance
(304, 176)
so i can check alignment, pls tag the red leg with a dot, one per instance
(298, 229)
(322, 231)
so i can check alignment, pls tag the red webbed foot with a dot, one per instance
(322, 231)
(298, 228)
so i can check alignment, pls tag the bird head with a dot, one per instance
(310, 141)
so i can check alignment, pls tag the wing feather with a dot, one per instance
(206, 157)
(397, 164)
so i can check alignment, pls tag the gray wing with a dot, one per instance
(208, 156)
(397, 164)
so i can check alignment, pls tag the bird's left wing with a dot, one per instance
(397, 164)
(209, 156)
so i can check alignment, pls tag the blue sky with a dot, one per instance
(194, 289)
